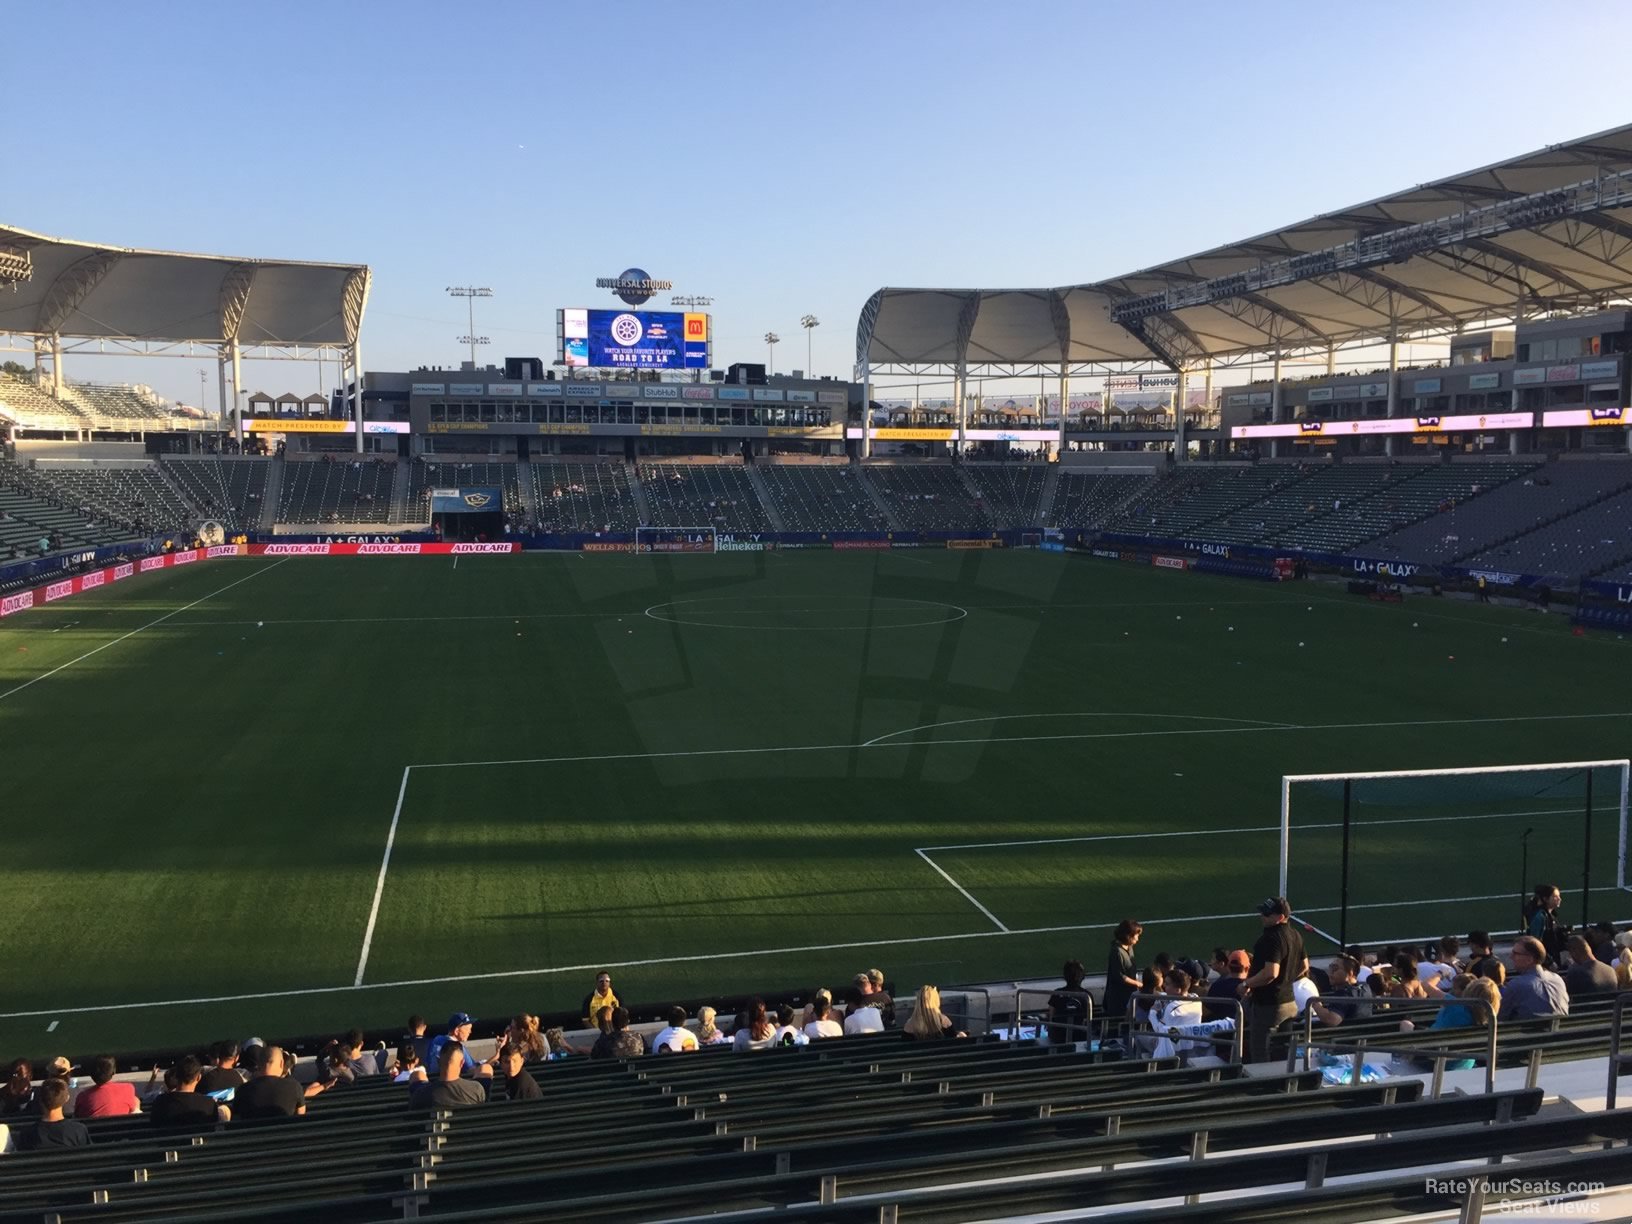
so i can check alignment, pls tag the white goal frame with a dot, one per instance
(644, 534)
(1624, 765)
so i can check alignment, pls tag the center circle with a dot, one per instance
(806, 613)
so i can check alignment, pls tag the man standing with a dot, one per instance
(1277, 961)
(1532, 990)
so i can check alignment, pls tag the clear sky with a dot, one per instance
(782, 159)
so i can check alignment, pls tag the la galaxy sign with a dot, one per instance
(633, 285)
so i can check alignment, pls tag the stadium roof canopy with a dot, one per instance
(1548, 231)
(90, 291)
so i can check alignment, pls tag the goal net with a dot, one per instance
(1410, 855)
(674, 539)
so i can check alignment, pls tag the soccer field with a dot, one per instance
(289, 795)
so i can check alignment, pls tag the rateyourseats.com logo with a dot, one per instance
(1530, 1197)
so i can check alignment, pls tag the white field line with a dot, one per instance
(63, 667)
(1023, 739)
(379, 884)
(592, 965)
(960, 722)
(635, 612)
(1325, 824)
(967, 896)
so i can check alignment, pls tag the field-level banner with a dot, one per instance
(39, 596)
(352, 548)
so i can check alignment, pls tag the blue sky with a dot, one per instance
(782, 159)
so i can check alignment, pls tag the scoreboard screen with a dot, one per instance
(635, 340)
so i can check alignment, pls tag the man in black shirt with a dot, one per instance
(224, 1074)
(185, 1106)
(519, 1084)
(271, 1094)
(1068, 1007)
(1277, 961)
(51, 1131)
(1344, 997)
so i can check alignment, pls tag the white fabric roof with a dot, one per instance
(1575, 263)
(84, 289)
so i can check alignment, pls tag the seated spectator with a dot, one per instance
(408, 1065)
(52, 1130)
(560, 1047)
(1068, 1007)
(676, 1038)
(222, 1075)
(1304, 988)
(107, 1097)
(821, 1024)
(524, 1032)
(519, 1084)
(17, 1094)
(787, 1032)
(449, 1090)
(707, 1032)
(344, 1060)
(1587, 975)
(1481, 954)
(272, 1092)
(874, 997)
(858, 1017)
(184, 1106)
(459, 1026)
(928, 1022)
(754, 1029)
(601, 996)
(617, 1041)
(1345, 999)
(1227, 985)
(417, 1035)
(1533, 990)
(1440, 972)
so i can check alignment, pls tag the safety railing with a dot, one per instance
(1181, 1034)
(1402, 1008)
(1074, 1031)
(1618, 1058)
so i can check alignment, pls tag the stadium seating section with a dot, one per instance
(1089, 500)
(928, 497)
(81, 406)
(230, 491)
(583, 497)
(28, 518)
(137, 498)
(718, 495)
(821, 497)
(425, 476)
(874, 1127)
(1178, 503)
(340, 490)
(1588, 541)
(1012, 493)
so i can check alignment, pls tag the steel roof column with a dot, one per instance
(237, 389)
(1179, 444)
(1065, 409)
(960, 383)
(1275, 404)
(1221, 445)
(357, 380)
(1393, 386)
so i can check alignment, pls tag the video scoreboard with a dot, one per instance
(634, 339)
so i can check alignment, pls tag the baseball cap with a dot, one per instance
(1271, 906)
(251, 1043)
(1239, 959)
(458, 1018)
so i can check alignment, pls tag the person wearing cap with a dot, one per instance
(1234, 967)
(459, 1026)
(1278, 960)
(601, 996)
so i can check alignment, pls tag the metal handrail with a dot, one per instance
(1616, 1058)
(1401, 1006)
(1233, 1039)
(1087, 1026)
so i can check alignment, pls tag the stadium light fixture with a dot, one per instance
(810, 323)
(771, 341)
(691, 301)
(470, 293)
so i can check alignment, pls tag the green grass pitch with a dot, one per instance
(722, 773)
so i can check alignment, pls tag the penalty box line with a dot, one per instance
(881, 743)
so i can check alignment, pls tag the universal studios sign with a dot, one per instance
(633, 285)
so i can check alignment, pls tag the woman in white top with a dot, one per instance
(756, 1032)
(822, 1023)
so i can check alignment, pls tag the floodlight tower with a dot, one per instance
(690, 301)
(771, 341)
(470, 293)
(810, 323)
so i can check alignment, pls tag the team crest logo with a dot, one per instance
(477, 500)
(626, 330)
(1605, 414)
(1310, 426)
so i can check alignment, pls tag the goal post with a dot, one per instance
(1403, 855)
(675, 539)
